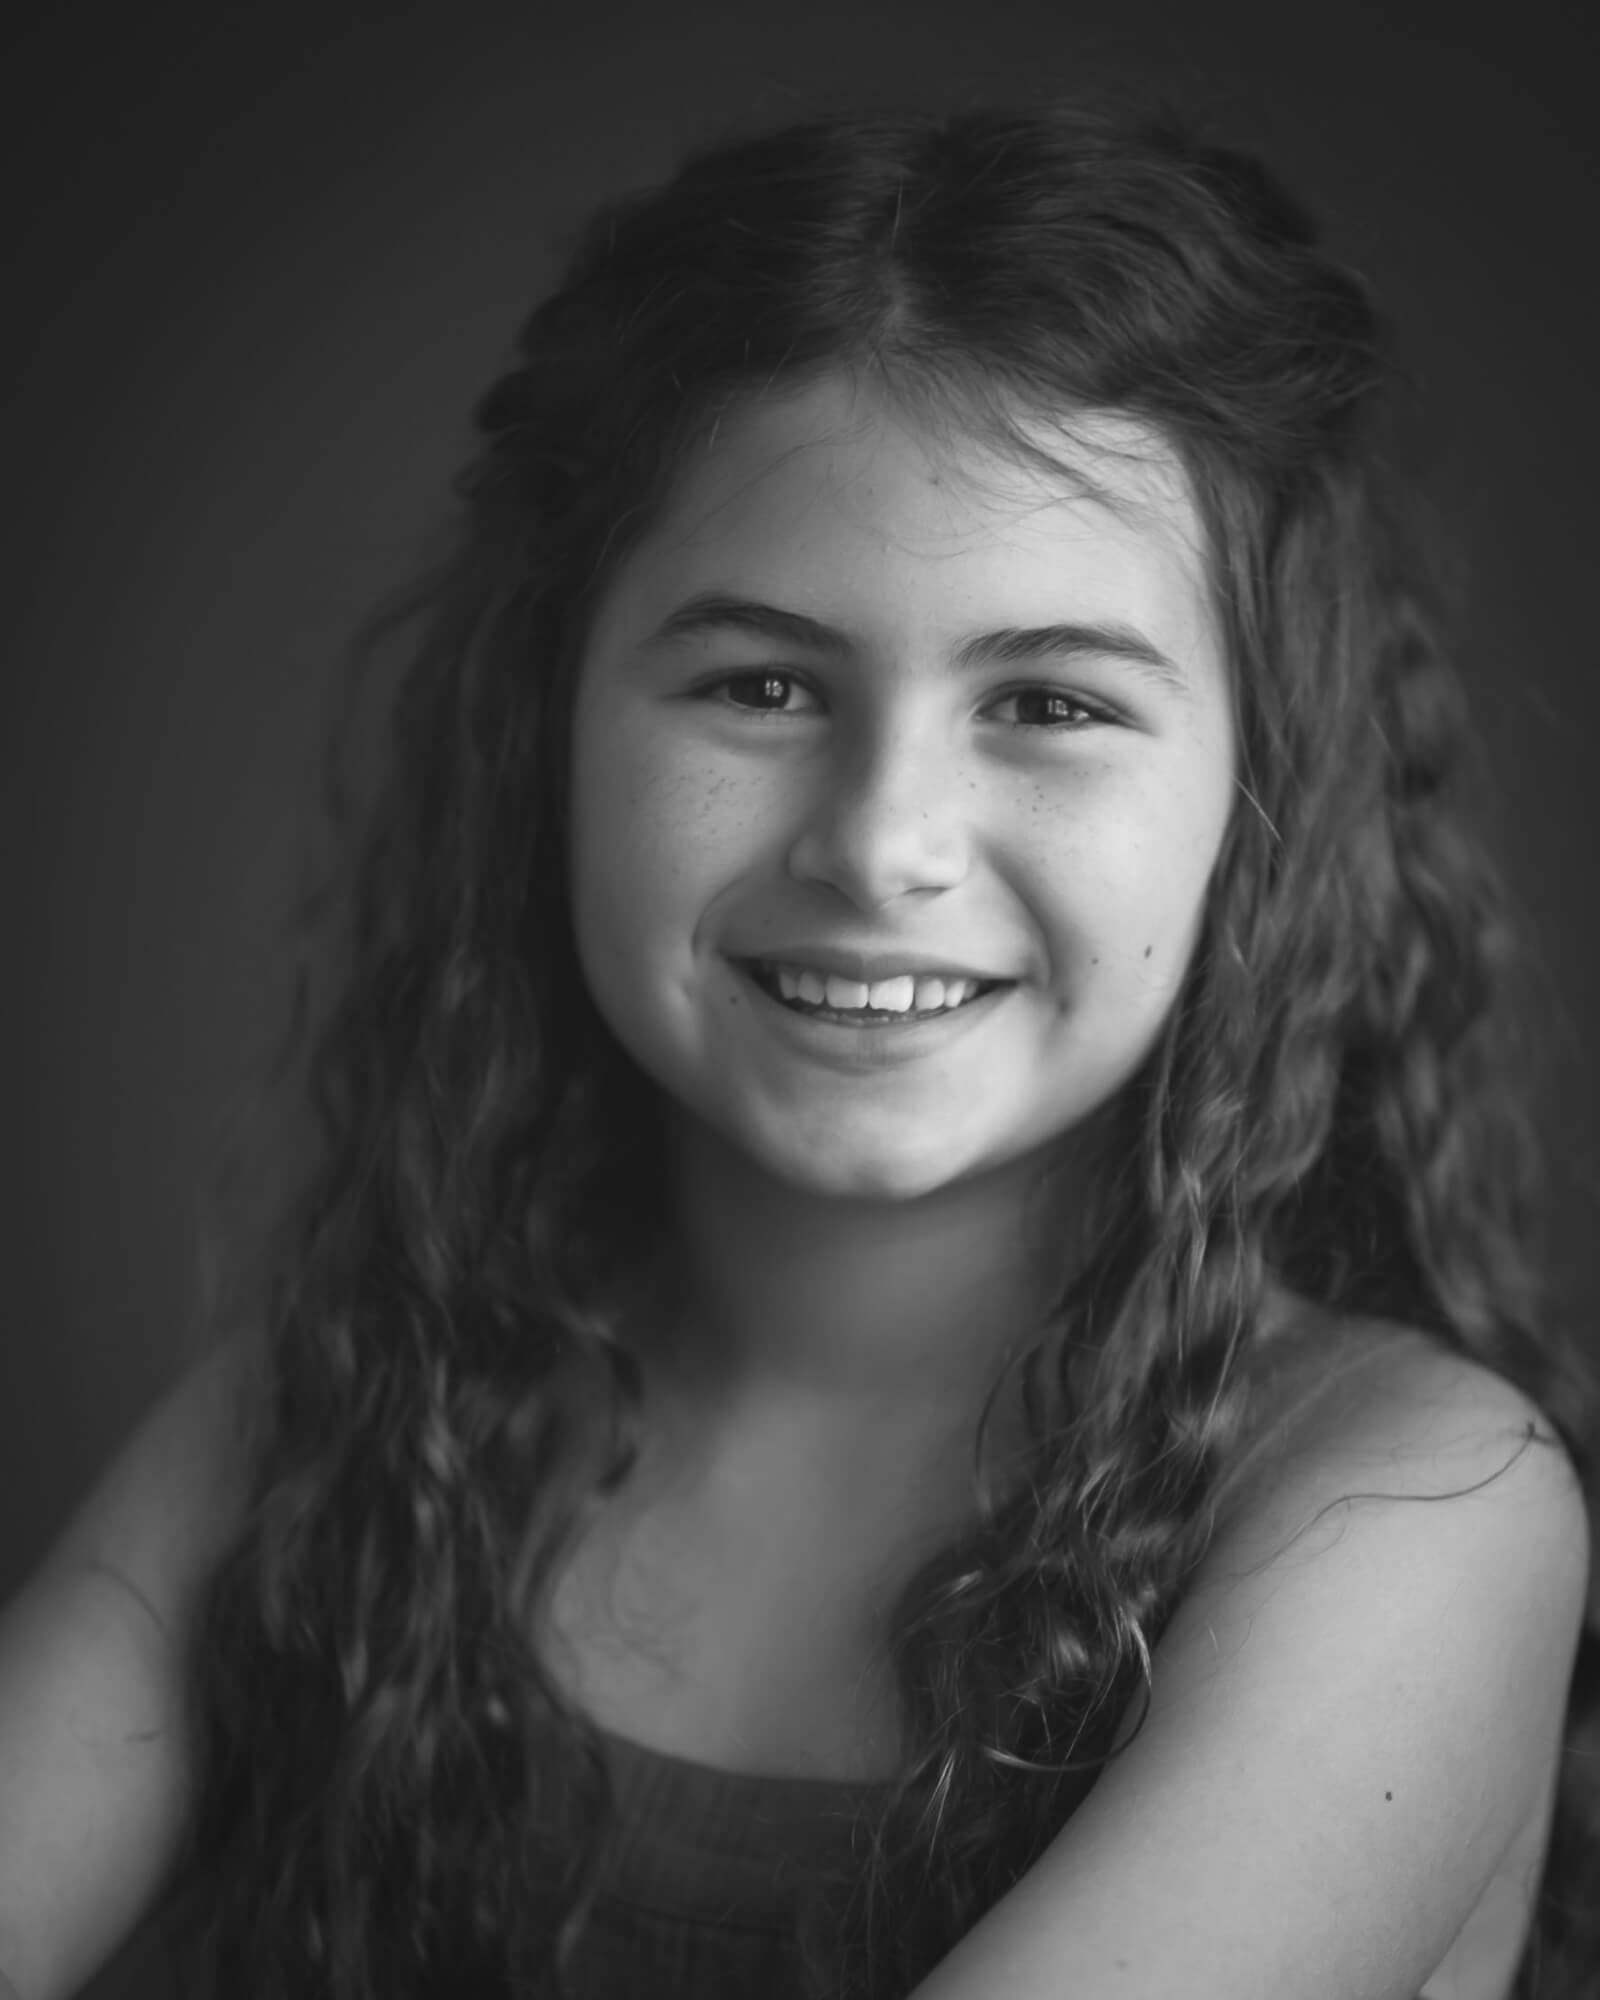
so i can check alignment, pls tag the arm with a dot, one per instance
(93, 1772)
(1354, 1713)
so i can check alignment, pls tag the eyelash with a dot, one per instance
(1096, 713)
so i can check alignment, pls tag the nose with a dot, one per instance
(884, 824)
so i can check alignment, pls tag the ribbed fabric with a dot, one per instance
(697, 1887)
(700, 1880)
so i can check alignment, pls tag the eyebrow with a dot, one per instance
(711, 611)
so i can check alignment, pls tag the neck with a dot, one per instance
(856, 1318)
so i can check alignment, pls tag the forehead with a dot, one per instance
(830, 499)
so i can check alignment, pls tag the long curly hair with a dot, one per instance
(394, 1797)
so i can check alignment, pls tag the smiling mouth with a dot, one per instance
(953, 998)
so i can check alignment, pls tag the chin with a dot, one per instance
(861, 1178)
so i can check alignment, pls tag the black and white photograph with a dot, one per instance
(799, 838)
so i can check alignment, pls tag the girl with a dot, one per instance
(919, 1166)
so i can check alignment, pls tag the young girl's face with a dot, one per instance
(866, 705)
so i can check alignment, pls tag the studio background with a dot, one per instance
(261, 261)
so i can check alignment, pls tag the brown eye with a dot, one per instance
(769, 689)
(1054, 708)
(758, 692)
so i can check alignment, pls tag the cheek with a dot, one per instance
(609, 861)
(1175, 878)
(654, 836)
(1121, 877)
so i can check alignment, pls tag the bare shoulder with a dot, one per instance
(95, 1770)
(1351, 1411)
(1410, 1519)
(173, 1496)
(1355, 1708)
(1402, 1501)
(1366, 1409)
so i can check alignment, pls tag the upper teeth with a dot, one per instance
(891, 996)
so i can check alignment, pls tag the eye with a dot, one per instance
(766, 692)
(760, 691)
(1052, 707)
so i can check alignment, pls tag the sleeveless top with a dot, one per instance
(698, 1886)
(696, 1896)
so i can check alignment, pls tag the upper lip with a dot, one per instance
(867, 968)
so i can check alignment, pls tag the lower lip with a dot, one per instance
(875, 1044)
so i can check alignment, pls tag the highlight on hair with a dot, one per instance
(395, 1797)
